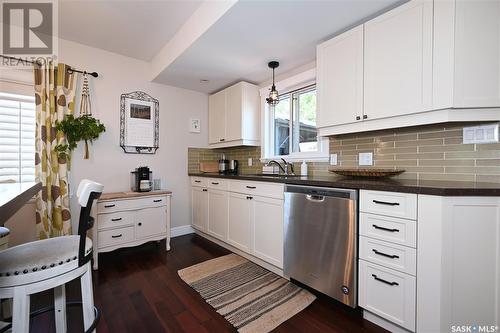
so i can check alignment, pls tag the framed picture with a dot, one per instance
(139, 123)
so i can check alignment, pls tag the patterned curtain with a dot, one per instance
(54, 98)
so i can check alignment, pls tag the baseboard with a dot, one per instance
(181, 231)
(391, 327)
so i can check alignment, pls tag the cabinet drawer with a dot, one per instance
(114, 220)
(271, 190)
(199, 181)
(115, 236)
(403, 205)
(390, 229)
(393, 256)
(218, 184)
(387, 293)
(129, 204)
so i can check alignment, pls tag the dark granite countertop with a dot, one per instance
(430, 187)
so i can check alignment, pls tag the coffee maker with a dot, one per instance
(141, 179)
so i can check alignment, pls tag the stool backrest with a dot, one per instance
(87, 192)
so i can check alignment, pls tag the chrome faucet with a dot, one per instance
(286, 168)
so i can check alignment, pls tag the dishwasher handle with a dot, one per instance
(315, 198)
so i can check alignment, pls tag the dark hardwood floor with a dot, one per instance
(138, 290)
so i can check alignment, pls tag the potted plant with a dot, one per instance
(85, 127)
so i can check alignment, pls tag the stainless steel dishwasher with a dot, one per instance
(320, 240)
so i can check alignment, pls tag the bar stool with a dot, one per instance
(4, 238)
(50, 264)
(5, 305)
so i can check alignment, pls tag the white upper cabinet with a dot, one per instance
(467, 54)
(423, 62)
(398, 61)
(340, 79)
(217, 117)
(234, 116)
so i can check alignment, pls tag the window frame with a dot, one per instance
(297, 83)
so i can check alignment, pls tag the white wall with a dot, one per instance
(108, 163)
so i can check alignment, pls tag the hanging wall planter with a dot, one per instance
(83, 128)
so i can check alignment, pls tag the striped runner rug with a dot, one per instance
(250, 297)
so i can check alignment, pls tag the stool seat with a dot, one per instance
(40, 260)
(4, 232)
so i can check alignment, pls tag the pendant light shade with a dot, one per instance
(274, 97)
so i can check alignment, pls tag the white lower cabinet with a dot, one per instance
(387, 293)
(241, 219)
(268, 230)
(199, 208)
(218, 214)
(237, 216)
(147, 222)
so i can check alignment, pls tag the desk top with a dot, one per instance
(130, 194)
(13, 196)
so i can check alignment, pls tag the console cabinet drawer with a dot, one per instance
(116, 236)
(393, 256)
(402, 205)
(114, 220)
(129, 204)
(388, 294)
(390, 229)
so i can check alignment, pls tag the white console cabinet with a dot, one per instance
(127, 219)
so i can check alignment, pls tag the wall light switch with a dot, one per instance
(333, 159)
(366, 158)
(480, 134)
(250, 161)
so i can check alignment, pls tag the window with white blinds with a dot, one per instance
(17, 137)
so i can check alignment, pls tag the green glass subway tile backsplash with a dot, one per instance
(433, 152)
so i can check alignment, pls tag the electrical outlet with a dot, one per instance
(480, 134)
(333, 159)
(366, 158)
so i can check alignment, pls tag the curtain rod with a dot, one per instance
(69, 70)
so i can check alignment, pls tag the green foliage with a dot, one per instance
(84, 128)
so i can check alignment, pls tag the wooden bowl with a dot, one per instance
(368, 173)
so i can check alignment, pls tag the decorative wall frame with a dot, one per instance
(139, 123)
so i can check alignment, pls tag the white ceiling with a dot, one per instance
(236, 47)
(251, 33)
(135, 28)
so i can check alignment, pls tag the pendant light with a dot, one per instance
(273, 98)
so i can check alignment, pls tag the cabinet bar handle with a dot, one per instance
(385, 229)
(204, 190)
(214, 183)
(249, 198)
(222, 140)
(197, 181)
(118, 219)
(392, 256)
(384, 281)
(158, 200)
(386, 203)
(251, 187)
(117, 236)
(109, 206)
